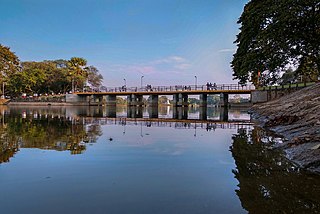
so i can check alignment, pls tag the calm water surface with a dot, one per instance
(102, 160)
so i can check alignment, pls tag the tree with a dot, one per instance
(77, 71)
(94, 78)
(275, 34)
(9, 64)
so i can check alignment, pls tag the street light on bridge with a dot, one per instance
(141, 81)
(125, 83)
(196, 79)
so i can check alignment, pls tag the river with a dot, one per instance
(142, 160)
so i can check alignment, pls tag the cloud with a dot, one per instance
(177, 59)
(226, 50)
(143, 69)
(169, 60)
(173, 66)
(183, 66)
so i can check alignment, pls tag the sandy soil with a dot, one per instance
(296, 117)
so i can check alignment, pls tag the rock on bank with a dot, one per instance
(297, 118)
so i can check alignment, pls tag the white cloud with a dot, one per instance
(177, 59)
(182, 66)
(226, 50)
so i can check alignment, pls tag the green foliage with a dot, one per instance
(94, 78)
(46, 77)
(77, 71)
(45, 131)
(275, 34)
(9, 63)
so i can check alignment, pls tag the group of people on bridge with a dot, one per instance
(211, 86)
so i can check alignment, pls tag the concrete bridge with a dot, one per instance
(180, 94)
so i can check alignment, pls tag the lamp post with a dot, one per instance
(196, 79)
(125, 83)
(141, 81)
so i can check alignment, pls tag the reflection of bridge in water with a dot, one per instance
(180, 113)
(169, 122)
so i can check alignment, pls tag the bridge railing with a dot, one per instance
(207, 87)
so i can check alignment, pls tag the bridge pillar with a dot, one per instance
(203, 113)
(135, 100)
(134, 112)
(153, 112)
(180, 100)
(224, 99)
(111, 100)
(203, 99)
(180, 113)
(153, 100)
(95, 99)
(129, 100)
(111, 111)
(224, 114)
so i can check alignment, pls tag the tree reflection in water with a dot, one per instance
(268, 183)
(44, 131)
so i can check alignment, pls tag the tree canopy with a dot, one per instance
(46, 77)
(274, 36)
(9, 64)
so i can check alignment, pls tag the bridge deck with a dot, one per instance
(171, 90)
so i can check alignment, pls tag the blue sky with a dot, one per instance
(169, 42)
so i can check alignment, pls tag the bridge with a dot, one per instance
(180, 94)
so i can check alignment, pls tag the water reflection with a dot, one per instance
(145, 160)
(69, 128)
(268, 183)
(199, 113)
(43, 128)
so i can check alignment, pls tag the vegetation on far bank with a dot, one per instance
(278, 38)
(46, 77)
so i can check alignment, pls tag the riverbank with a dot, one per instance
(296, 117)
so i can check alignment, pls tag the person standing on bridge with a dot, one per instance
(214, 86)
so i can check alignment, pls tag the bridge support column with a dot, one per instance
(224, 114)
(111, 100)
(180, 100)
(153, 100)
(135, 100)
(203, 99)
(203, 113)
(129, 101)
(96, 100)
(153, 112)
(134, 112)
(224, 99)
(111, 111)
(180, 113)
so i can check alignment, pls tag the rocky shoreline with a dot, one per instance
(295, 117)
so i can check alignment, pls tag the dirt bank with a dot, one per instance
(297, 118)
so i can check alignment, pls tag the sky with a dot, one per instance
(169, 42)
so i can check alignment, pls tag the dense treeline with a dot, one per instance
(278, 36)
(46, 77)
